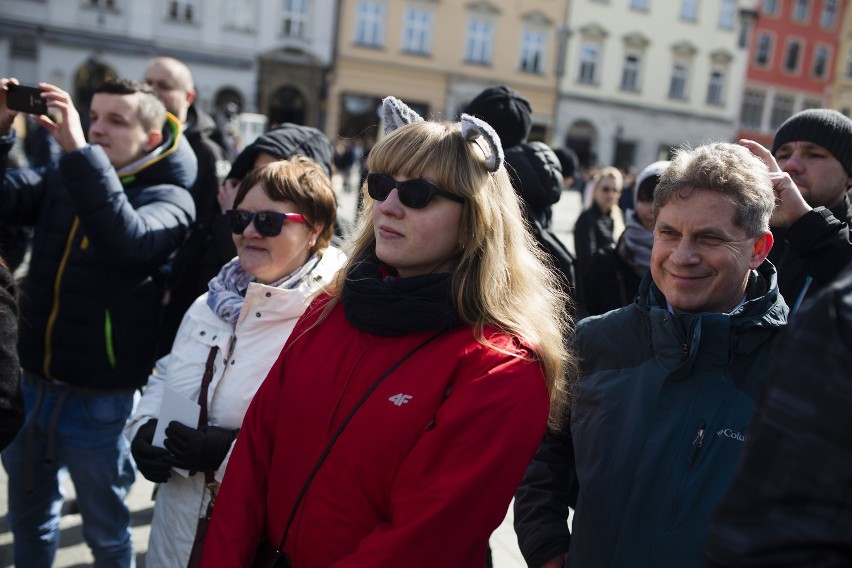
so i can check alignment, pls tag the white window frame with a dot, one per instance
(479, 41)
(294, 18)
(770, 7)
(828, 17)
(679, 81)
(760, 46)
(801, 11)
(727, 14)
(588, 67)
(533, 49)
(631, 72)
(821, 52)
(417, 30)
(716, 87)
(754, 103)
(779, 114)
(182, 10)
(799, 56)
(370, 20)
(689, 10)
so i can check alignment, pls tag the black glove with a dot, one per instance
(201, 449)
(150, 460)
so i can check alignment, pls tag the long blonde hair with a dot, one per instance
(501, 279)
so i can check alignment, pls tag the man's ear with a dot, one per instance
(155, 138)
(762, 246)
(191, 95)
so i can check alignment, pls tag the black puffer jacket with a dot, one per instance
(537, 177)
(812, 251)
(90, 306)
(11, 401)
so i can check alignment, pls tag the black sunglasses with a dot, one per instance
(414, 193)
(267, 223)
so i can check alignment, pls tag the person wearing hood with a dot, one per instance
(667, 384)
(204, 252)
(534, 170)
(615, 271)
(533, 167)
(281, 223)
(107, 217)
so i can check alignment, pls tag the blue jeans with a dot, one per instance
(80, 430)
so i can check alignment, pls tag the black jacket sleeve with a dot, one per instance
(585, 238)
(542, 502)
(124, 234)
(11, 401)
(536, 176)
(823, 244)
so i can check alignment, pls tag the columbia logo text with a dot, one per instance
(728, 433)
(400, 399)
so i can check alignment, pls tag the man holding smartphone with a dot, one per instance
(106, 218)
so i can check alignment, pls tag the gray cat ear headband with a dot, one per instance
(396, 113)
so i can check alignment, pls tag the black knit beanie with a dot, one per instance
(828, 128)
(285, 142)
(506, 111)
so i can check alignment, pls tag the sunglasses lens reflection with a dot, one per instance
(413, 193)
(267, 224)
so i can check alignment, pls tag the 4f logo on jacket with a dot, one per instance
(400, 399)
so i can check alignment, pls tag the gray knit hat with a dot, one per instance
(828, 128)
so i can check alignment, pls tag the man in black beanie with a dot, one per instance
(815, 148)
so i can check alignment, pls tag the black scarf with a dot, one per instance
(391, 306)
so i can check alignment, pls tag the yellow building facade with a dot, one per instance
(436, 55)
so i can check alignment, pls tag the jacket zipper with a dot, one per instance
(696, 444)
(54, 312)
(110, 347)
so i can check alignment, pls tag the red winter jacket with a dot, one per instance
(421, 476)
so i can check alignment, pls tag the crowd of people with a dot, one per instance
(307, 394)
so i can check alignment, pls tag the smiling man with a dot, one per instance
(106, 218)
(667, 384)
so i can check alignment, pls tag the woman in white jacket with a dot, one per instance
(282, 220)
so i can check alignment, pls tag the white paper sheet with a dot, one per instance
(175, 406)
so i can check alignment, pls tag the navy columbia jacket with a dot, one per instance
(657, 426)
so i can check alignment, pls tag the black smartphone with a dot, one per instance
(25, 99)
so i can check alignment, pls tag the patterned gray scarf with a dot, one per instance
(228, 288)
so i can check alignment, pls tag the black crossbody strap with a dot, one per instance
(340, 429)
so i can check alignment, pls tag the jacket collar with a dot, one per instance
(172, 133)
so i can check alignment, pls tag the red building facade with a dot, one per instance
(793, 51)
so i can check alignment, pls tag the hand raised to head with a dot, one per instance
(789, 203)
